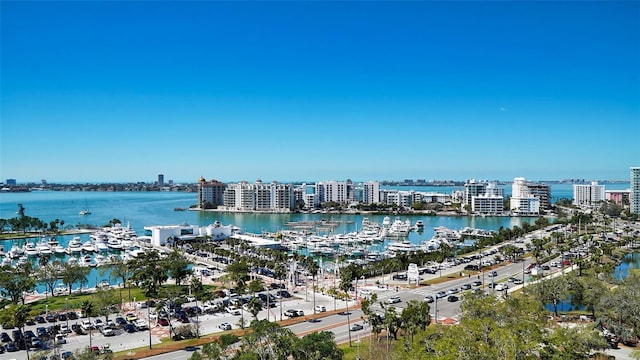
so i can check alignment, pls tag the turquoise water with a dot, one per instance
(140, 209)
(630, 261)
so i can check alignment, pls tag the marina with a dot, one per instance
(359, 237)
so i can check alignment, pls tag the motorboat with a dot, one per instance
(75, 245)
(31, 250)
(43, 247)
(60, 250)
(88, 246)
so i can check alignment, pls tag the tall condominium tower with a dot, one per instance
(588, 195)
(635, 190)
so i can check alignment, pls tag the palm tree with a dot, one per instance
(313, 267)
(87, 310)
(280, 271)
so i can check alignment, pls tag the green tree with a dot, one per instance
(15, 282)
(73, 273)
(149, 272)
(415, 317)
(553, 291)
(49, 274)
(313, 268)
(317, 346)
(254, 306)
(178, 266)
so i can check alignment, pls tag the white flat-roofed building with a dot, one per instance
(529, 205)
(257, 241)
(473, 188)
(371, 192)
(588, 195)
(259, 196)
(430, 197)
(525, 197)
(163, 235)
(634, 200)
(487, 204)
(336, 191)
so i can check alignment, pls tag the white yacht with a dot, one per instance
(403, 246)
(43, 247)
(101, 246)
(30, 249)
(114, 243)
(60, 250)
(75, 245)
(88, 246)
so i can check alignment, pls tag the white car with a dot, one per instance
(356, 327)
(393, 300)
(365, 292)
(234, 310)
(86, 325)
(224, 326)
(320, 308)
(141, 324)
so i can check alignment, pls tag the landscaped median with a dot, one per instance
(171, 345)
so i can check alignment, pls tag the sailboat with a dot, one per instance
(86, 210)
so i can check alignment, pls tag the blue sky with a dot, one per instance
(122, 91)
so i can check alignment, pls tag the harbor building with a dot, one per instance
(588, 195)
(166, 235)
(210, 193)
(161, 179)
(635, 190)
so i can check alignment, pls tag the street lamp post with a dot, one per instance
(435, 311)
(149, 324)
(67, 308)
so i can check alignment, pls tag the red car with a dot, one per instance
(163, 322)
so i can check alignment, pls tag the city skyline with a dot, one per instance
(120, 92)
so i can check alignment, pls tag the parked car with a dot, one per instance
(4, 337)
(225, 326)
(356, 327)
(234, 310)
(131, 317)
(320, 308)
(293, 313)
(163, 321)
(86, 325)
(10, 347)
(129, 328)
(399, 277)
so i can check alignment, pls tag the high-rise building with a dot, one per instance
(210, 193)
(259, 196)
(371, 192)
(528, 198)
(635, 190)
(160, 179)
(588, 195)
